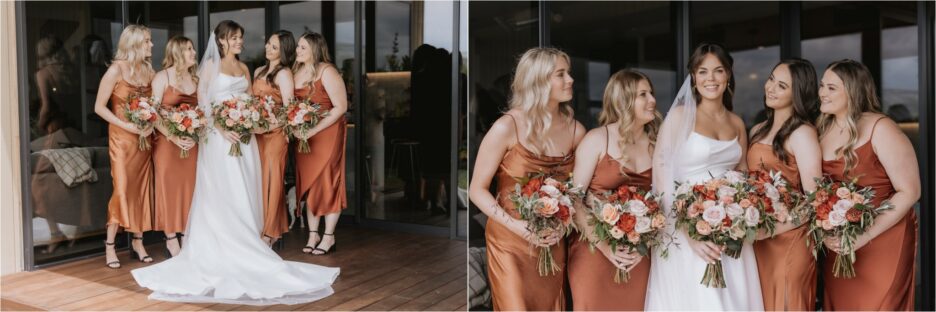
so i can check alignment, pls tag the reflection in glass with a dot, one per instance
(604, 37)
(165, 20)
(301, 16)
(69, 47)
(408, 91)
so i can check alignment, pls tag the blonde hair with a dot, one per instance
(131, 48)
(618, 106)
(320, 54)
(530, 92)
(862, 97)
(175, 56)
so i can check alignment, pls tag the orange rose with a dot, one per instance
(853, 215)
(627, 222)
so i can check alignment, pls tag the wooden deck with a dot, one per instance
(380, 270)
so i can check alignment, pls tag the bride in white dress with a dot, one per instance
(683, 154)
(223, 258)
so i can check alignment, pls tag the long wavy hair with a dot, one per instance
(225, 30)
(727, 62)
(319, 53)
(618, 106)
(287, 52)
(175, 56)
(530, 92)
(805, 88)
(132, 48)
(862, 97)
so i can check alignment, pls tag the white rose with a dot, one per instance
(837, 217)
(565, 201)
(736, 232)
(255, 116)
(752, 216)
(234, 114)
(734, 210)
(772, 192)
(643, 225)
(616, 232)
(297, 120)
(684, 188)
(177, 117)
(714, 215)
(637, 208)
(734, 177)
(196, 123)
(726, 191)
(550, 190)
(842, 205)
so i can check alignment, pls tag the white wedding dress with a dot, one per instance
(675, 281)
(223, 258)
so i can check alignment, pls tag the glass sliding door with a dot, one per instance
(406, 111)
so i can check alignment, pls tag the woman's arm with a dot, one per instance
(105, 88)
(335, 87)
(802, 144)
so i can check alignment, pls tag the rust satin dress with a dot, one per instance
(885, 266)
(786, 266)
(320, 174)
(175, 176)
(591, 275)
(273, 146)
(131, 204)
(512, 261)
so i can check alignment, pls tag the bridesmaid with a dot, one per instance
(175, 177)
(131, 204)
(320, 174)
(859, 142)
(538, 133)
(275, 79)
(619, 153)
(787, 143)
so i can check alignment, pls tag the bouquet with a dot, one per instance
(240, 114)
(141, 111)
(627, 217)
(271, 113)
(842, 210)
(725, 211)
(302, 116)
(186, 121)
(780, 203)
(546, 205)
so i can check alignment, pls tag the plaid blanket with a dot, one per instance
(73, 165)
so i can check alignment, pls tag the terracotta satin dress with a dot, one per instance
(131, 204)
(273, 146)
(320, 174)
(512, 261)
(591, 275)
(175, 176)
(885, 266)
(786, 266)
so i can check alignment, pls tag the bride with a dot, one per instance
(224, 259)
(697, 142)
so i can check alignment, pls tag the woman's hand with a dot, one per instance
(231, 136)
(620, 258)
(184, 143)
(544, 239)
(833, 243)
(708, 251)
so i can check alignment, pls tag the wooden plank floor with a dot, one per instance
(380, 270)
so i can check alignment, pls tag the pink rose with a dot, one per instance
(703, 228)
(696, 209)
(826, 224)
(858, 198)
(659, 221)
(633, 237)
(837, 217)
(714, 215)
(708, 204)
(752, 216)
(229, 122)
(843, 192)
(609, 214)
(842, 205)
(548, 206)
(745, 203)
(553, 182)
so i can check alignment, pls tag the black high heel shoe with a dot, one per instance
(169, 253)
(333, 247)
(309, 248)
(135, 254)
(113, 264)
